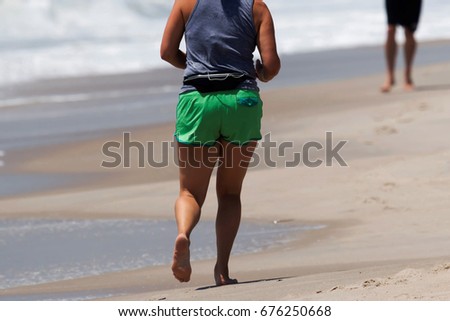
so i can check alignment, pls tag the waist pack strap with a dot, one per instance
(216, 82)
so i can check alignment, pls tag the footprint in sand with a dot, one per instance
(371, 283)
(401, 277)
(374, 200)
(405, 120)
(417, 106)
(386, 130)
(423, 106)
(389, 186)
(441, 268)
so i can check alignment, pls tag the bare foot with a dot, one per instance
(386, 87)
(409, 86)
(181, 265)
(223, 278)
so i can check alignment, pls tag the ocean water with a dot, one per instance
(41, 251)
(57, 38)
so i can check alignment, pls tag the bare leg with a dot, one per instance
(390, 51)
(410, 51)
(195, 166)
(230, 175)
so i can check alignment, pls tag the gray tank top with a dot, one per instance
(220, 37)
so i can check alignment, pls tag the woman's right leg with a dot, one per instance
(195, 167)
(234, 161)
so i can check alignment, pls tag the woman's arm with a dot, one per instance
(173, 33)
(270, 64)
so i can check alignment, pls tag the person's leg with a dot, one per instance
(390, 52)
(195, 168)
(231, 171)
(410, 51)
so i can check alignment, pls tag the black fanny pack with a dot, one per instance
(215, 82)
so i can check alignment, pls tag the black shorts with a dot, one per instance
(404, 12)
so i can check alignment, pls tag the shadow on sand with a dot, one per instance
(247, 282)
(433, 87)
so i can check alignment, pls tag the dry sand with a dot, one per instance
(387, 213)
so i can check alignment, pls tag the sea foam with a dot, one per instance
(61, 38)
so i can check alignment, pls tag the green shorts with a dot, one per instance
(204, 118)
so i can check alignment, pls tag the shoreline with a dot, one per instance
(41, 159)
(172, 77)
(123, 285)
(387, 212)
(80, 264)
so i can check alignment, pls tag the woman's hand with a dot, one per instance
(260, 70)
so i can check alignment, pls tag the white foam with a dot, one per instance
(82, 37)
(78, 37)
(51, 99)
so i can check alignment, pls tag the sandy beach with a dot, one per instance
(387, 216)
